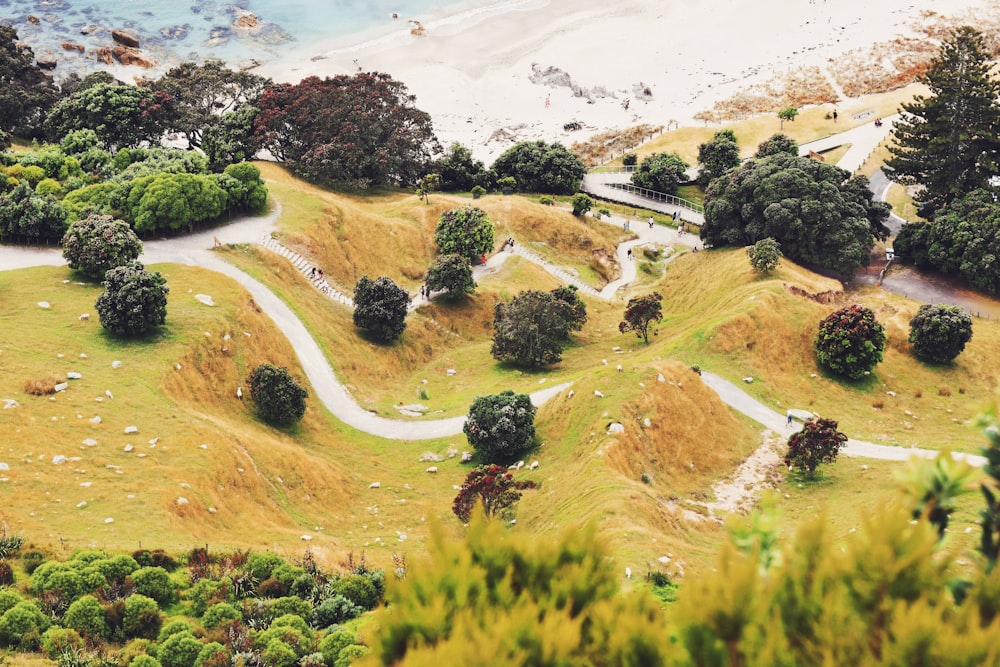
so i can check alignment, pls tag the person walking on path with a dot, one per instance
(651, 222)
(789, 423)
(630, 254)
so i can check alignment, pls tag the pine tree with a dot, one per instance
(948, 142)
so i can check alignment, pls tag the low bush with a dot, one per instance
(219, 614)
(358, 589)
(142, 617)
(41, 386)
(335, 611)
(154, 582)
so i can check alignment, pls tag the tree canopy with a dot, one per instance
(850, 341)
(27, 216)
(662, 172)
(490, 487)
(541, 167)
(532, 329)
(121, 115)
(362, 130)
(451, 273)
(99, 243)
(949, 140)
(459, 170)
(764, 255)
(380, 308)
(278, 397)
(134, 301)
(818, 213)
(501, 427)
(640, 313)
(939, 332)
(818, 442)
(775, 144)
(26, 91)
(962, 239)
(717, 156)
(204, 94)
(465, 231)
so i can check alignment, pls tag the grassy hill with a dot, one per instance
(269, 487)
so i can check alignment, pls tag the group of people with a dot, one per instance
(878, 122)
(509, 244)
(315, 274)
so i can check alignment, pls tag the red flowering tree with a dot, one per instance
(494, 487)
(362, 130)
(641, 312)
(850, 342)
(819, 441)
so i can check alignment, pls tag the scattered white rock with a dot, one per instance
(86, 485)
(604, 361)
(890, 393)
(432, 469)
(533, 466)
(182, 500)
(9, 403)
(129, 448)
(212, 510)
(748, 379)
(96, 419)
(73, 375)
(116, 364)
(177, 367)
(660, 378)
(62, 386)
(616, 349)
(131, 429)
(227, 337)
(152, 443)
(202, 446)
(451, 371)
(306, 538)
(516, 466)
(239, 393)
(205, 299)
(864, 466)
(598, 394)
(44, 305)
(452, 452)
(466, 457)
(430, 456)
(616, 427)
(83, 355)
(80, 505)
(90, 442)
(628, 573)
(570, 394)
(85, 316)
(4, 466)
(109, 520)
(664, 559)
(619, 368)
(647, 422)
(375, 485)
(107, 392)
(813, 375)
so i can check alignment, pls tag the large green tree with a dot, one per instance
(203, 94)
(541, 167)
(662, 172)
(939, 332)
(717, 156)
(962, 239)
(134, 301)
(850, 341)
(640, 313)
(172, 201)
(278, 397)
(817, 212)
(451, 273)
(121, 115)
(459, 170)
(501, 427)
(380, 308)
(532, 329)
(362, 130)
(26, 216)
(465, 231)
(26, 92)
(949, 140)
(99, 243)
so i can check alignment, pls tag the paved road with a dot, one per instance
(864, 139)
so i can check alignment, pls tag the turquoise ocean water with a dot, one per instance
(175, 30)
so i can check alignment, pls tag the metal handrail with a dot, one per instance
(657, 196)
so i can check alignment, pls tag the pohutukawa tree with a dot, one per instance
(279, 399)
(764, 255)
(819, 213)
(380, 308)
(641, 313)
(939, 333)
(850, 342)
(532, 329)
(818, 442)
(949, 141)
(466, 231)
(451, 273)
(493, 488)
(362, 130)
(134, 301)
(501, 427)
(540, 167)
(662, 172)
(99, 243)
(777, 144)
(717, 156)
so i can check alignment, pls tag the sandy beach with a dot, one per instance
(522, 72)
